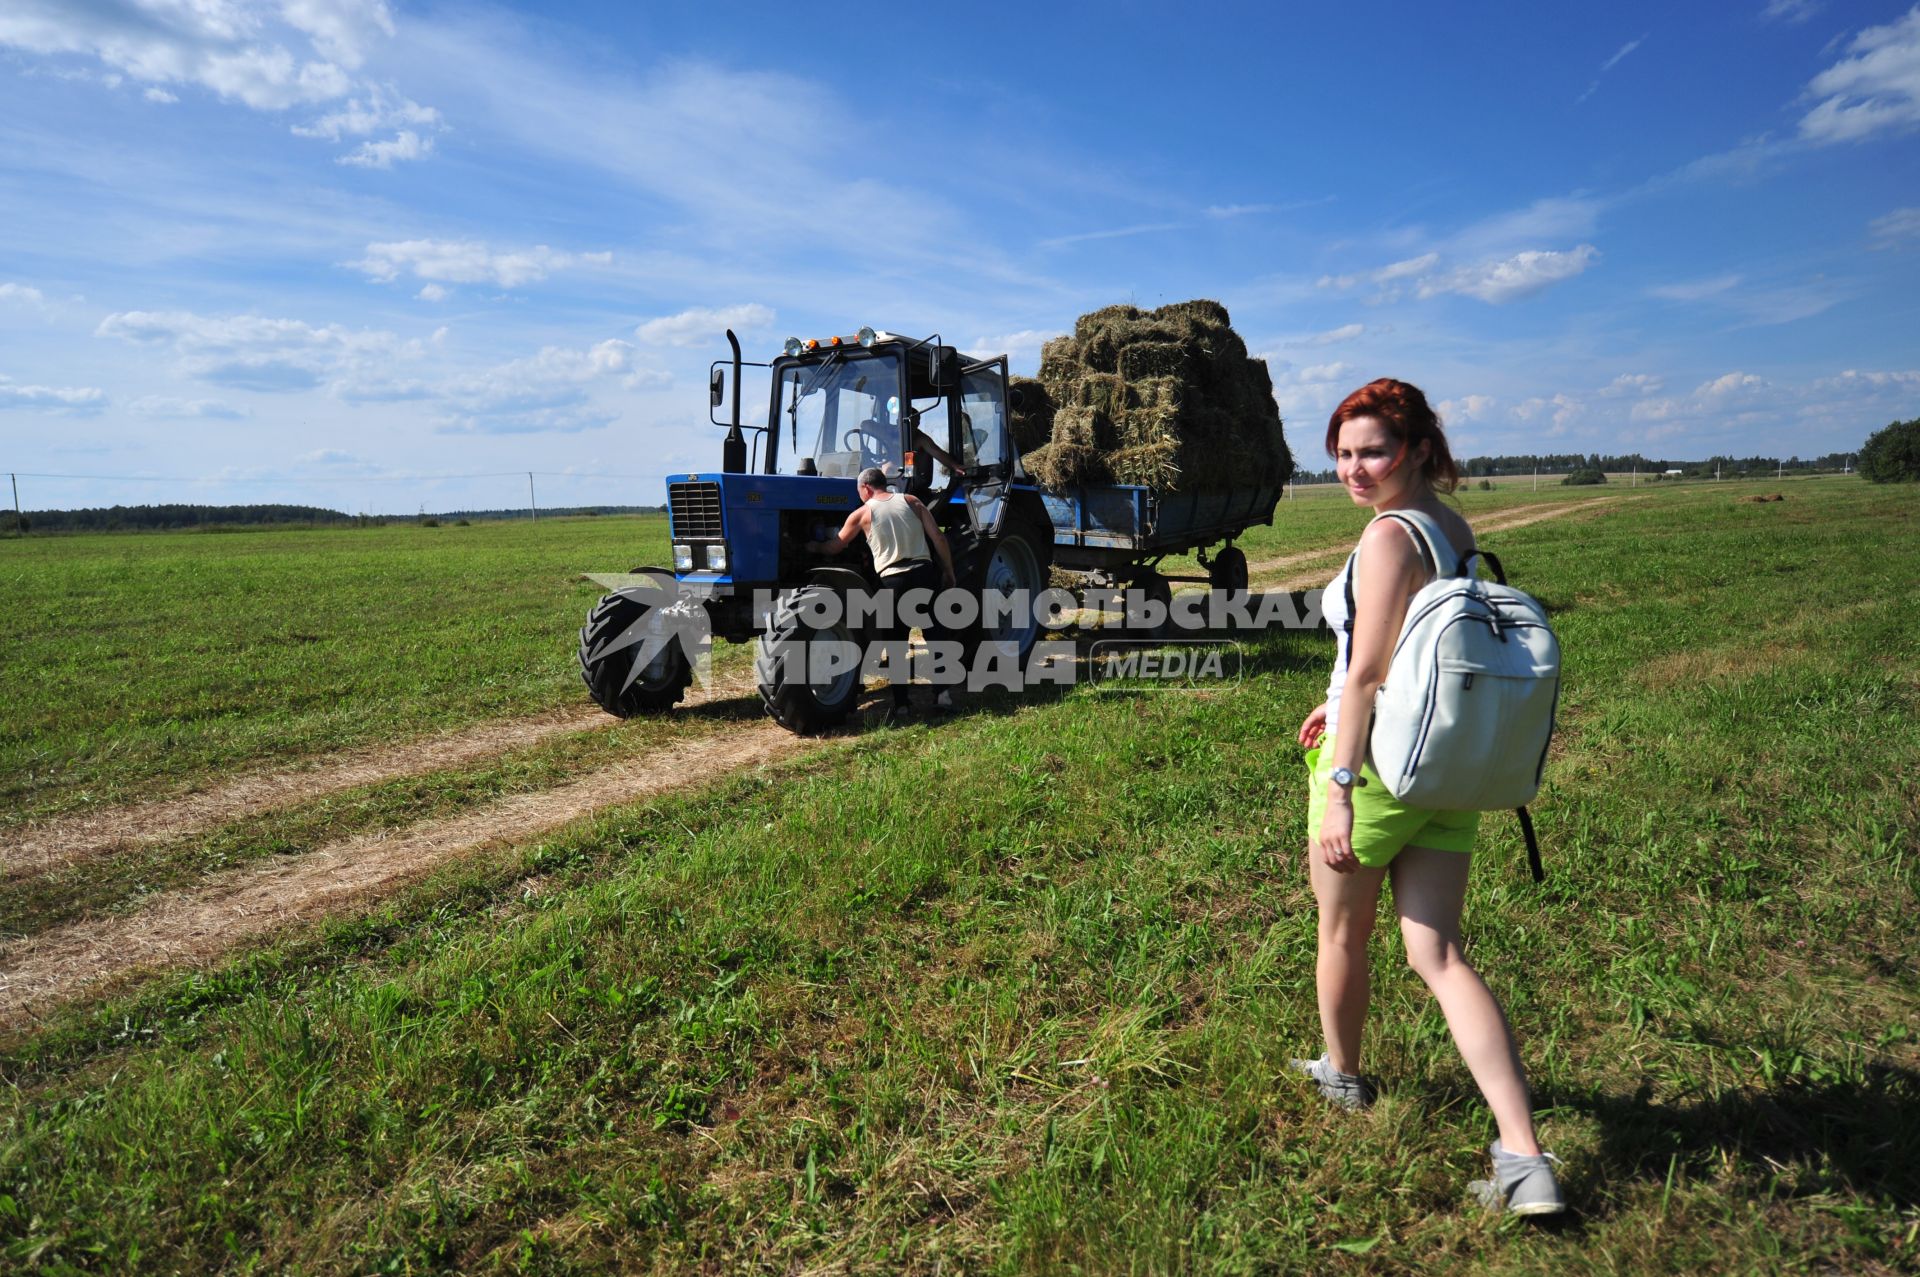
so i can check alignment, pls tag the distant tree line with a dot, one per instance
(158, 518)
(1892, 455)
(124, 518)
(1567, 463)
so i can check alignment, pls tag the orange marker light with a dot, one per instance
(836, 341)
(813, 343)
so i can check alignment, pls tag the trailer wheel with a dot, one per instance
(789, 653)
(1016, 563)
(1229, 570)
(1156, 589)
(610, 645)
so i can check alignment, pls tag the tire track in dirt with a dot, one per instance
(196, 926)
(1507, 521)
(38, 847)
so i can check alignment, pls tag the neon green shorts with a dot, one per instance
(1383, 825)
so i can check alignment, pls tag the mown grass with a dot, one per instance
(1015, 993)
(135, 663)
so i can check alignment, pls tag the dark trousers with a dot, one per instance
(921, 576)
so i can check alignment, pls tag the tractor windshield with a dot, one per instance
(840, 415)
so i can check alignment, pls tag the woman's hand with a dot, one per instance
(1335, 842)
(1313, 726)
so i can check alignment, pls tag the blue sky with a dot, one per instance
(329, 250)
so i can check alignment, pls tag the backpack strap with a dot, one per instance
(1441, 556)
(1533, 844)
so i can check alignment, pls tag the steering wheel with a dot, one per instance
(860, 436)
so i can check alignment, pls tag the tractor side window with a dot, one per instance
(983, 432)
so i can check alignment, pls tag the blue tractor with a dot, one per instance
(931, 417)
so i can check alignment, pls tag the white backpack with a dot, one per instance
(1463, 721)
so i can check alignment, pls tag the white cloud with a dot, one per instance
(295, 53)
(1562, 410)
(1893, 228)
(1791, 11)
(1696, 290)
(692, 327)
(1609, 65)
(404, 145)
(68, 401)
(1730, 385)
(1522, 275)
(252, 352)
(468, 262)
(1021, 348)
(330, 457)
(380, 109)
(11, 292)
(432, 293)
(1332, 336)
(1875, 88)
(1119, 232)
(1852, 377)
(1633, 383)
(545, 393)
(163, 406)
(1466, 408)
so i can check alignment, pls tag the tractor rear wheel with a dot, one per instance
(610, 647)
(1016, 564)
(805, 688)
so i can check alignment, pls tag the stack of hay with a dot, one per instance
(1168, 398)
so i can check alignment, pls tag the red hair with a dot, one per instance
(1404, 411)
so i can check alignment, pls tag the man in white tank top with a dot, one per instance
(904, 539)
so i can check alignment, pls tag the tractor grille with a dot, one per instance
(695, 510)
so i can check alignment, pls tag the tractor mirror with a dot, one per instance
(933, 365)
(718, 387)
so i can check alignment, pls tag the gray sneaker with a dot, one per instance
(1522, 1185)
(1348, 1090)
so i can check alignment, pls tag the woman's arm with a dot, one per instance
(1390, 569)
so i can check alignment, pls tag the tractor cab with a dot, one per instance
(932, 419)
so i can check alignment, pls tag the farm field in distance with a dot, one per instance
(1011, 992)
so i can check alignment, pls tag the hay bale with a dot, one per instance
(1148, 359)
(1084, 428)
(1199, 312)
(1061, 465)
(1168, 398)
(1103, 392)
(1161, 392)
(1030, 417)
(1061, 362)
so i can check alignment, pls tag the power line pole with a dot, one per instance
(533, 507)
(18, 522)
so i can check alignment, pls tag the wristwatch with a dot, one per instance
(1350, 779)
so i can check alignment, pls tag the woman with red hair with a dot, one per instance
(1392, 456)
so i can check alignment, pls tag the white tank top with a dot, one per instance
(895, 534)
(1333, 606)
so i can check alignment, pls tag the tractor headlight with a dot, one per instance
(867, 337)
(717, 558)
(793, 346)
(683, 558)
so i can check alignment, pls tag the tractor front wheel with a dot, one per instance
(808, 671)
(611, 644)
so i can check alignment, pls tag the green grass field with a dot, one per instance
(1009, 993)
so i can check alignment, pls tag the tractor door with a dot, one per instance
(984, 443)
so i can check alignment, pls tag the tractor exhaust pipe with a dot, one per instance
(733, 453)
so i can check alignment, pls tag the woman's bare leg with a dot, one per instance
(1347, 905)
(1429, 890)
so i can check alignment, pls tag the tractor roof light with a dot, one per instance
(813, 343)
(833, 341)
(866, 336)
(793, 346)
